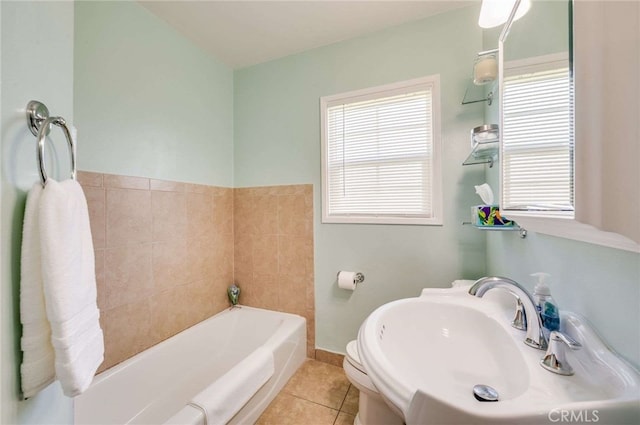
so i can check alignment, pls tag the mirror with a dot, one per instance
(536, 113)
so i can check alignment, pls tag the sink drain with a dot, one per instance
(485, 393)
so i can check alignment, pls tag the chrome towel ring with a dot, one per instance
(40, 123)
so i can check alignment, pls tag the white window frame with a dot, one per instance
(433, 83)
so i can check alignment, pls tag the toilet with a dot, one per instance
(372, 409)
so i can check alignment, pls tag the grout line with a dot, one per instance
(345, 398)
(312, 401)
(336, 419)
(317, 404)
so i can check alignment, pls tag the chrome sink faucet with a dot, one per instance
(534, 338)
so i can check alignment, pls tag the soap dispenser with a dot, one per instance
(545, 304)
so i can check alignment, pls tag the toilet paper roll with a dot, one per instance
(347, 280)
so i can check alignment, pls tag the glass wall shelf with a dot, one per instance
(514, 228)
(483, 153)
(475, 94)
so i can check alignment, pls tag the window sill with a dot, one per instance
(571, 229)
(435, 221)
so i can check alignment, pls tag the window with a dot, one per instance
(381, 154)
(538, 137)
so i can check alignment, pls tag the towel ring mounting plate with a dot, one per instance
(37, 112)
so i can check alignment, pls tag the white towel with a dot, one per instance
(37, 369)
(68, 270)
(221, 400)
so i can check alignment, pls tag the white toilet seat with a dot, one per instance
(352, 355)
(355, 371)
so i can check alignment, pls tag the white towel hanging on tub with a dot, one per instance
(224, 398)
(68, 272)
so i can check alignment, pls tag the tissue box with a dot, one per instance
(488, 215)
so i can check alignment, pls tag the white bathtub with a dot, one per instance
(155, 386)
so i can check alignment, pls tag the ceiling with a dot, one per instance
(243, 33)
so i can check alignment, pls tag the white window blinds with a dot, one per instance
(379, 155)
(538, 139)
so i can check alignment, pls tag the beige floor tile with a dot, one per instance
(350, 404)
(319, 382)
(345, 419)
(289, 410)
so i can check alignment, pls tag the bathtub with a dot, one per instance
(154, 386)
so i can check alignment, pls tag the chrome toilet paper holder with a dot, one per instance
(358, 278)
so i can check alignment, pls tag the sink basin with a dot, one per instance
(426, 354)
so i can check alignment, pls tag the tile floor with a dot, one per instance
(318, 394)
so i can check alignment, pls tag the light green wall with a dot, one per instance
(277, 141)
(37, 63)
(603, 284)
(147, 101)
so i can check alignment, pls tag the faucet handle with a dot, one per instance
(520, 318)
(555, 360)
(561, 336)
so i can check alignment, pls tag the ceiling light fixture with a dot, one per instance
(496, 12)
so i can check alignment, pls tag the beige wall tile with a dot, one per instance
(293, 216)
(96, 203)
(219, 296)
(245, 281)
(126, 331)
(128, 274)
(265, 254)
(293, 253)
(196, 188)
(243, 253)
(166, 186)
(292, 294)
(128, 216)
(200, 258)
(261, 293)
(220, 191)
(101, 284)
(171, 312)
(311, 333)
(87, 179)
(243, 211)
(169, 215)
(294, 189)
(265, 190)
(126, 182)
(223, 212)
(335, 359)
(193, 241)
(222, 255)
(170, 264)
(201, 295)
(199, 215)
(276, 276)
(311, 304)
(265, 214)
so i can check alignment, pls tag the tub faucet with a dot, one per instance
(534, 338)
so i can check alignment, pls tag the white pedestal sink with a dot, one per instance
(426, 354)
